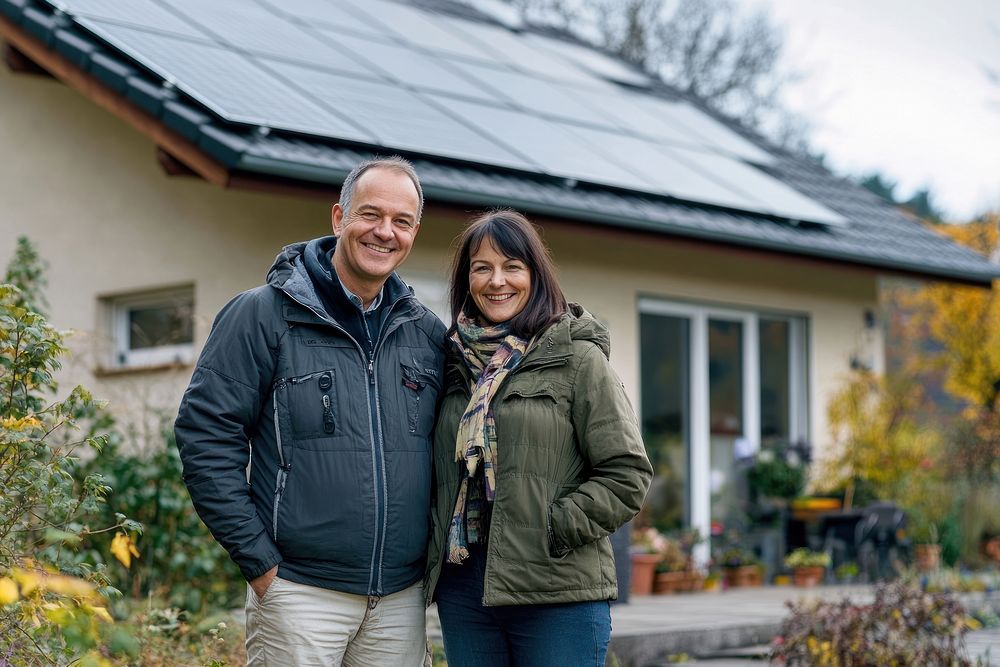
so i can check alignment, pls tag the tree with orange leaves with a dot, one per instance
(965, 322)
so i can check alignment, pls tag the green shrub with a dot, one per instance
(53, 602)
(57, 529)
(181, 563)
(901, 626)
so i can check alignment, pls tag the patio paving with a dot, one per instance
(654, 626)
(727, 628)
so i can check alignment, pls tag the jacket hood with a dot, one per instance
(577, 324)
(288, 273)
(584, 326)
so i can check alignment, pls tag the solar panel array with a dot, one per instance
(391, 75)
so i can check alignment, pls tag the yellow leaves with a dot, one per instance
(8, 591)
(102, 613)
(124, 549)
(30, 581)
(874, 438)
(965, 320)
(68, 586)
(20, 424)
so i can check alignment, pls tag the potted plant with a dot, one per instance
(676, 573)
(926, 546)
(740, 567)
(808, 566)
(989, 546)
(847, 573)
(926, 500)
(777, 475)
(646, 551)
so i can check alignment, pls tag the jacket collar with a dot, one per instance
(288, 273)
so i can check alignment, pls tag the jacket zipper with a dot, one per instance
(377, 445)
(283, 468)
(373, 389)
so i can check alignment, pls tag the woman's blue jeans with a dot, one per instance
(573, 634)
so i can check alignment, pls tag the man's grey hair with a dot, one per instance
(393, 162)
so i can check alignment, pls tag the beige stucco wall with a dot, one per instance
(87, 189)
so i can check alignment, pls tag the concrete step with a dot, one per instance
(650, 628)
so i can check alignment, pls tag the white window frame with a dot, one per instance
(160, 355)
(698, 316)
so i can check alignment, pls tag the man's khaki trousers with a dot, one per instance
(295, 625)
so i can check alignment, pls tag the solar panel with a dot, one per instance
(400, 119)
(418, 27)
(593, 61)
(228, 83)
(508, 48)
(142, 13)
(628, 116)
(337, 15)
(660, 172)
(557, 151)
(411, 67)
(252, 28)
(540, 96)
(774, 196)
(713, 133)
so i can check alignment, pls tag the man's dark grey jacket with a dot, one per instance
(340, 471)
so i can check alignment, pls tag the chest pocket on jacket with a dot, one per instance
(419, 387)
(312, 405)
(535, 413)
(532, 389)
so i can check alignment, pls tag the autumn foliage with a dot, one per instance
(927, 435)
(966, 322)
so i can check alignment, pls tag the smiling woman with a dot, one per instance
(538, 459)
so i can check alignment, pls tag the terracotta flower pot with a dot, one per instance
(808, 576)
(643, 571)
(684, 581)
(990, 547)
(743, 576)
(927, 556)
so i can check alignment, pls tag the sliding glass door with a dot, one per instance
(717, 384)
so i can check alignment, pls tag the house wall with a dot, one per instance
(87, 190)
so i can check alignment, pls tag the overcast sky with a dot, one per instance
(899, 86)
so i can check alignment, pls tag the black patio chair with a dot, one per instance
(880, 542)
(837, 536)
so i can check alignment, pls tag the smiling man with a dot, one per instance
(329, 375)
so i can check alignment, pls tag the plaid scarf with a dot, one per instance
(491, 353)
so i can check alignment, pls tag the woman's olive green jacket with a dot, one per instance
(570, 469)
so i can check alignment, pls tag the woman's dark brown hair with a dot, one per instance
(515, 237)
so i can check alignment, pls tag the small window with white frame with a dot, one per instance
(152, 328)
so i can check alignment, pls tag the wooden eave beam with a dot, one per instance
(74, 77)
(19, 63)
